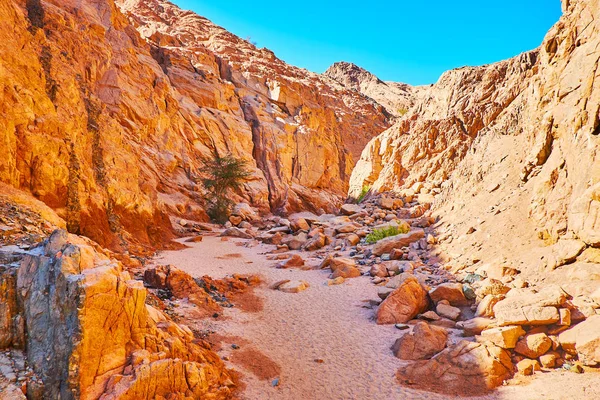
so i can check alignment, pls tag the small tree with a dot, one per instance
(222, 174)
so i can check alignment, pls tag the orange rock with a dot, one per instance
(404, 303)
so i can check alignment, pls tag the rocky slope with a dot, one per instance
(397, 98)
(108, 125)
(509, 154)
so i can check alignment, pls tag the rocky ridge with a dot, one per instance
(498, 149)
(111, 131)
(397, 98)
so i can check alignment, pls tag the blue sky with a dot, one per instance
(404, 41)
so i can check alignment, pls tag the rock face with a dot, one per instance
(512, 144)
(71, 293)
(397, 98)
(110, 129)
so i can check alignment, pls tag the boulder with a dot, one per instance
(422, 343)
(318, 241)
(550, 360)
(583, 340)
(236, 232)
(298, 224)
(528, 367)
(533, 345)
(452, 292)
(404, 303)
(378, 270)
(467, 368)
(350, 209)
(235, 219)
(448, 311)
(474, 326)
(396, 242)
(505, 336)
(294, 261)
(295, 242)
(346, 228)
(531, 309)
(353, 239)
(485, 308)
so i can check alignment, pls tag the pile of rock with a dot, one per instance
(87, 329)
(479, 328)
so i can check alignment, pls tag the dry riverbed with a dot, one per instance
(321, 343)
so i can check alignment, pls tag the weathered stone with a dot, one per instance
(350, 209)
(583, 340)
(396, 242)
(466, 368)
(485, 308)
(475, 326)
(294, 261)
(293, 286)
(404, 303)
(70, 297)
(533, 345)
(423, 342)
(535, 309)
(378, 270)
(448, 311)
(452, 292)
(237, 232)
(505, 337)
(527, 366)
(316, 242)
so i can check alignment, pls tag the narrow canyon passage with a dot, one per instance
(329, 323)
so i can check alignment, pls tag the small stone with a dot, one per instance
(528, 367)
(235, 346)
(402, 327)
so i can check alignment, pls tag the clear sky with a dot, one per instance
(404, 41)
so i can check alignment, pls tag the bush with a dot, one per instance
(402, 111)
(382, 233)
(363, 193)
(222, 174)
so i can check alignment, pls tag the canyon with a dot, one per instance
(114, 284)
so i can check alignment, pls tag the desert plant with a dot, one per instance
(402, 111)
(382, 233)
(363, 193)
(222, 175)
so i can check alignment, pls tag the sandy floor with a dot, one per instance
(329, 323)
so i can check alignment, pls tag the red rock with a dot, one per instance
(404, 303)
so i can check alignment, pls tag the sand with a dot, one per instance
(328, 323)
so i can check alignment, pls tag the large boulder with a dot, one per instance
(467, 368)
(423, 342)
(404, 303)
(583, 340)
(533, 345)
(531, 309)
(91, 333)
(398, 241)
(452, 292)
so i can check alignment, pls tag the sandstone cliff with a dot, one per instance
(509, 152)
(109, 128)
(397, 98)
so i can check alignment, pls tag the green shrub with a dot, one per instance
(382, 233)
(363, 193)
(222, 174)
(402, 111)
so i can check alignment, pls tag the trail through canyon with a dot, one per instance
(324, 339)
